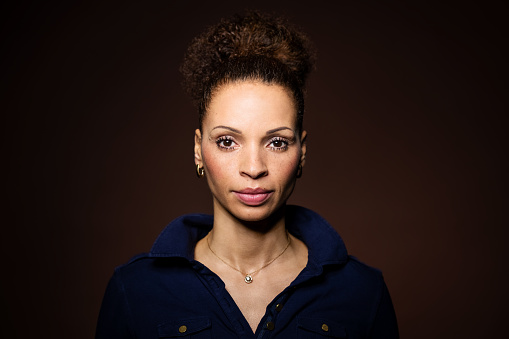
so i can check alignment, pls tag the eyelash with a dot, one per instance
(279, 139)
(221, 140)
(220, 143)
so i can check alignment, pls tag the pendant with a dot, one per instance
(248, 279)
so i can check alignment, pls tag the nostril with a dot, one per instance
(253, 163)
(255, 173)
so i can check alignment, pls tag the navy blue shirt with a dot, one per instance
(167, 294)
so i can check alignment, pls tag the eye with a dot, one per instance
(279, 144)
(226, 143)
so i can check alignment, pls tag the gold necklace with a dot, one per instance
(248, 277)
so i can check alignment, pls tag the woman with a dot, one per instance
(257, 268)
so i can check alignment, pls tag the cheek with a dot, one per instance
(216, 167)
(286, 170)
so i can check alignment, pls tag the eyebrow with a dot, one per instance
(267, 133)
(278, 129)
(228, 128)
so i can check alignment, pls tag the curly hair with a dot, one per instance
(253, 46)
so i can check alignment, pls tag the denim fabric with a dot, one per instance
(167, 294)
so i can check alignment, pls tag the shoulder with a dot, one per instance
(171, 253)
(150, 267)
(363, 269)
(355, 282)
(361, 277)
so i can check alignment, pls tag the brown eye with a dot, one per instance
(277, 143)
(226, 143)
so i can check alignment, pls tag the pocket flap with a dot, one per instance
(182, 327)
(322, 326)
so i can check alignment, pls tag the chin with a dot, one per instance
(257, 214)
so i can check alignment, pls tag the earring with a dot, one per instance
(299, 171)
(200, 172)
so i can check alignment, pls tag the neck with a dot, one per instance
(247, 245)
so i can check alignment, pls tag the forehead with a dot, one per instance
(251, 105)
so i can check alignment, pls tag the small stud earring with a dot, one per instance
(299, 171)
(200, 172)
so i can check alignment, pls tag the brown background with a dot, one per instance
(406, 123)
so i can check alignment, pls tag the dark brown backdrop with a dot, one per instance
(406, 123)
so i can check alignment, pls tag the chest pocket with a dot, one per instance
(316, 328)
(195, 328)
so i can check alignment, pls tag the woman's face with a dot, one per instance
(250, 149)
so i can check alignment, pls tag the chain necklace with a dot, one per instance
(248, 277)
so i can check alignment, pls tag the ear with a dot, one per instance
(303, 148)
(197, 148)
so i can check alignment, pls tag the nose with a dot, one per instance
(253, 163)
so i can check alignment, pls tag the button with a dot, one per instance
(279, 307)
(325, 327)
(183, 329)
(270, 325)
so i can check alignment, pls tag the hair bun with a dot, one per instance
(254, 34)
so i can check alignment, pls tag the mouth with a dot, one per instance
(253, 196)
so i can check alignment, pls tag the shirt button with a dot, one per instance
(279, 307)
(270, 325)
(183, 329)
(325, 328)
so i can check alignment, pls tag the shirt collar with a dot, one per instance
(325, 246)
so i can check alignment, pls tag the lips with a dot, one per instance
(253, 196)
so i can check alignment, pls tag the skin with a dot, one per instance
(250, 139)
